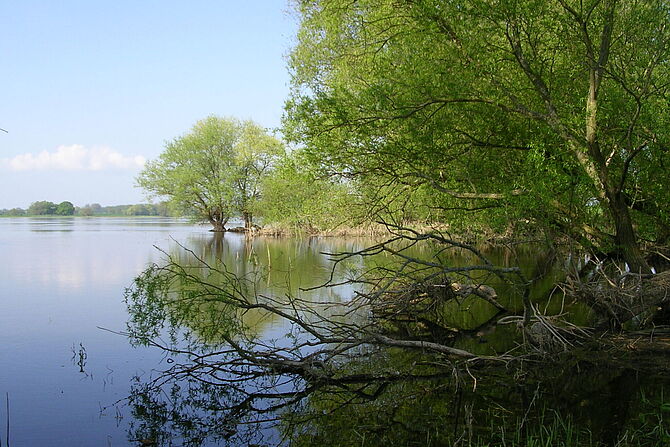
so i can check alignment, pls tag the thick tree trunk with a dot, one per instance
(248, 220)
(218, 222)
(597, 165)
(217, 226)
(625, 237)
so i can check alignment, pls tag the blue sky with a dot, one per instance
(91, 89)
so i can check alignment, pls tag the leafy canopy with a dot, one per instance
(553, 112)
(212, 171)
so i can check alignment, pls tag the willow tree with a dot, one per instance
(552, 111)
(256, 153)
(195, 171)
(214, 170)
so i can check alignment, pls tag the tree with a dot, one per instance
(213, 171)
(164, 209)
(65, 209)
(42, 207)
(294, 196)
(85, 211)
(13, 212)
(92, 209)
(256, 153)
(141, 209)
(195, 171)
(553, 112)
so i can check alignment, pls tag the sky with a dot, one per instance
(91, 90)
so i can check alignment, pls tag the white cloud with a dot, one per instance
(73, 158)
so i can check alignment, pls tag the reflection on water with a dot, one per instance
(63, 278)
(381, 396)
(584, 403)
(60, 279)
(287, 265)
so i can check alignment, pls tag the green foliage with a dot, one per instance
(256, 153)
(295, 197)
(174, 297)
(445, 412)
(195, 171)
(90, 209)
(483, 103)
(41, 208)
(212, 171)
(163, 209)
(65, 209)
(141, 210)
(13, 212)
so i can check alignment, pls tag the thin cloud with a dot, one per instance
(73, 158)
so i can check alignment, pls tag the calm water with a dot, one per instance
(66, 378)
(62, 280)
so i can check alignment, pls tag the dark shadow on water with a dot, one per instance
(585, 397)
(578, 404)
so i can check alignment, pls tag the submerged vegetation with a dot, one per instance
(437, 121)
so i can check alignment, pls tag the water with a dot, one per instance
(62, 283)
(67, 375)
(61, 280)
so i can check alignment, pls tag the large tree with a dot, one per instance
(212, 171)
(553, 111)
(195, 171)
(256, 153)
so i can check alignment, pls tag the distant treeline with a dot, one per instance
(45, 208)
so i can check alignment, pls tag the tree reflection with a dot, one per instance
(210, 305)
(187, 412)
(588, 403)
(252, 363)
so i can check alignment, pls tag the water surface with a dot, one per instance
(62, 280)
(66, 374)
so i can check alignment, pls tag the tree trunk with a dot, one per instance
(248, 220)
(625, 239)
(218, 222)
(217, 226)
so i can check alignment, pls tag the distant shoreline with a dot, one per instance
(77, 216)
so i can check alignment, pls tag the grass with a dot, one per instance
(651, 429)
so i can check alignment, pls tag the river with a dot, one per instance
(66, 373)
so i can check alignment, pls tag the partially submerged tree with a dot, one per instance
(553, 112)
(195, 171)
(374, 353)
(256, 153)
(213, 171)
